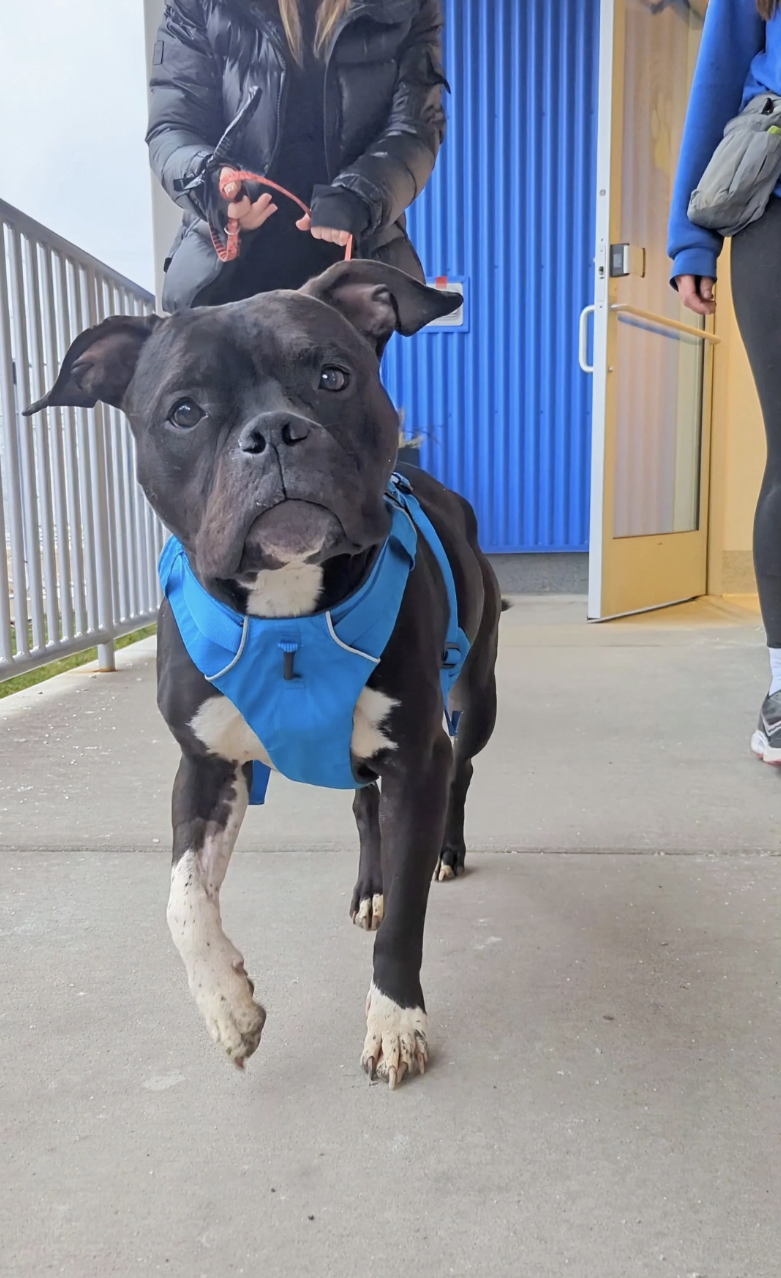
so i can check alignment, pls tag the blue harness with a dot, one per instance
(297, 681)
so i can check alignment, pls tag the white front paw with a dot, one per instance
(224, 994)
(395, 1039)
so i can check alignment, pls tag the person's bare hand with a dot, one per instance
(701, 300)
(323, 232)
(248, 215)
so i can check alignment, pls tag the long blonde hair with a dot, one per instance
(328, 14)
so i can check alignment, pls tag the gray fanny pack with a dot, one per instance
(744, 171)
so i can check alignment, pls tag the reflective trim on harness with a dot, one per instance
(347, 647)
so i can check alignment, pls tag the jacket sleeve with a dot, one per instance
(186, 113)
(732, 35)
(393, 171)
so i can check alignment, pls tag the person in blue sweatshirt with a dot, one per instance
(739, 59)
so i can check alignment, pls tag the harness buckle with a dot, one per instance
(401, 482)
(449, 663)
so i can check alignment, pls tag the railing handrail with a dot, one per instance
(50, 239)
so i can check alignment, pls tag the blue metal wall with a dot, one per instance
(511, 209)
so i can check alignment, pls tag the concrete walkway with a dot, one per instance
(604, 997)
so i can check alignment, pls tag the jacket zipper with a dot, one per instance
(272, 35)
(281, 97)
(221, 151)
(349, 16)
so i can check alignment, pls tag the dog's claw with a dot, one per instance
(391, 1078)
(369, 1067)
(369, 913)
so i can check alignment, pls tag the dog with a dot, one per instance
(266, 444)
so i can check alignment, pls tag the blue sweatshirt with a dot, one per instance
(740, 57)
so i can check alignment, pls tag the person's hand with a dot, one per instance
(323, 232)
(701, 301)
(249, 216)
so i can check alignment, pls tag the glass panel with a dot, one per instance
(659, 372)
(658, 429)
(660, 53)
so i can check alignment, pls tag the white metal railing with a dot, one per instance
(80, 543)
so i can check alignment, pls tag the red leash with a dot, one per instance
(229, 251)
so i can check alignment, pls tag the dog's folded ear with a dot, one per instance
(380, 300)
(100, 364)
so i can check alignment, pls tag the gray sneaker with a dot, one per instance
(766, 741)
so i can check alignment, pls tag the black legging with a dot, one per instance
(756, 290)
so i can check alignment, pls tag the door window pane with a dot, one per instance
(658, 429)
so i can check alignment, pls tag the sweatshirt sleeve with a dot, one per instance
(732, 35)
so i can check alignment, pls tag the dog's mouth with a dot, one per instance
(291, 532)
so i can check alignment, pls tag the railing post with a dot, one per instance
(97, 431)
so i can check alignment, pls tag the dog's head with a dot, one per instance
(264, 435)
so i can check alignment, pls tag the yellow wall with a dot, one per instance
(737, 454)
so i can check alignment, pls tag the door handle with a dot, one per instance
(661, 321)
(583, 339)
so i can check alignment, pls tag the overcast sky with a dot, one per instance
(73, 117)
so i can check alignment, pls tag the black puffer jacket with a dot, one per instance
(220, 74)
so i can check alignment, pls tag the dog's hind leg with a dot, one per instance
(475, 696)
(474, 733)
(368, 906)
(209, 802)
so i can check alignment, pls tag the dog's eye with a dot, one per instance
(332, 379)
(186, 414)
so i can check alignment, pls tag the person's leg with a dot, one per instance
(756, 262)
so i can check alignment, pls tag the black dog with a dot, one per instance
(265, 443)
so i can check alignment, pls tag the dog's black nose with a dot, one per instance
(252, 440)
(285, 429)
(294, 431)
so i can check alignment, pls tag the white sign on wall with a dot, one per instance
(458, 318)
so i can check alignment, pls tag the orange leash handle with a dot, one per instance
(229, 251)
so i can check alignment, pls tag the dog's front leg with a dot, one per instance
(413, 810)
(209, 801)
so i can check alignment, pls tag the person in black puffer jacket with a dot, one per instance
(338, 101)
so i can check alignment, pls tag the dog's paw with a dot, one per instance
(225, 996)
(367, 907)
(395, 1039)
(368, 912)
(451, 862)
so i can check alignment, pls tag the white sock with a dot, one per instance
(775, 670)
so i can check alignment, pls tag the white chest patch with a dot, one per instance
(220, 727)
(292, 591)
(224, 731)
(370, 714)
